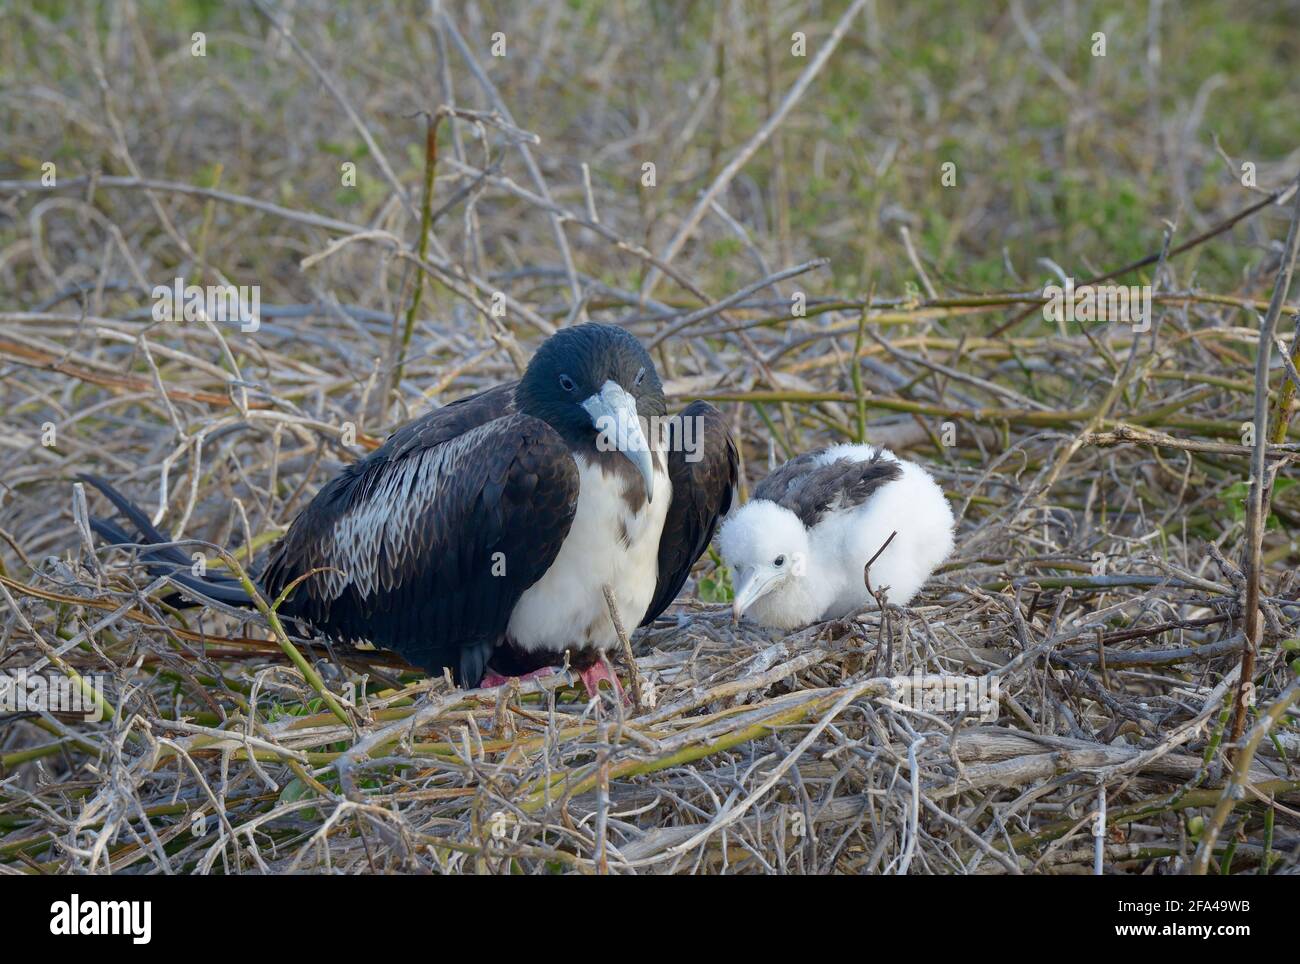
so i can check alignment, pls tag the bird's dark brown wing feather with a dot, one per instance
(702, 493)
(432, 539)
(453, 419)
(785, 477)
(810, 491)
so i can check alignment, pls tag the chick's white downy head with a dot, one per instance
(767, 550)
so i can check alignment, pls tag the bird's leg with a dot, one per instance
(491, 679)
(593, 675)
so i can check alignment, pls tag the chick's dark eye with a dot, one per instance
(779, 561)
(567, 383)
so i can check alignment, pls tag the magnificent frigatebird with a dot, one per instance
(798, 549)
(479, 538)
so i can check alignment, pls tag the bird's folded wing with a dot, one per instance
(427, 545)
(452, 420)
(703, 476)
(810, 487)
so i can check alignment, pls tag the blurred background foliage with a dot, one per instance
(1059, 152)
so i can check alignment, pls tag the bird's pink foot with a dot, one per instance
(593, 675)
(491, 679)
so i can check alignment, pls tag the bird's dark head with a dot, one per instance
(596, 385)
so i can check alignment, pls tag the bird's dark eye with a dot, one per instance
(640, 376)
(779, 561)
(567, 383)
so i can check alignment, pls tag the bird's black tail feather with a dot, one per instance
(164, 560)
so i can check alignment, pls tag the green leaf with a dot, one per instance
(716, 587)
(296, 790)
(1235, 496)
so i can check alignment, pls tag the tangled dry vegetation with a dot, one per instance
(1099, 475)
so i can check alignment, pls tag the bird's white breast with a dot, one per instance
(566, 608)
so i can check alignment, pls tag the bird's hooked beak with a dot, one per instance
(750, 587)
(613, 413)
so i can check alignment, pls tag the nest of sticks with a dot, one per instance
(1093, 583)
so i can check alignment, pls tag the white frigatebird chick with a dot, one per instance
(479, 538)
(797, 551)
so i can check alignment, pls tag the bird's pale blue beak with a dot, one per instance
(750, 586)
(613, 413)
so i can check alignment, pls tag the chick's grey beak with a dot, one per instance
(613, 413)
(750, 586)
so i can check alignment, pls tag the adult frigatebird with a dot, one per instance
(479, 538)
